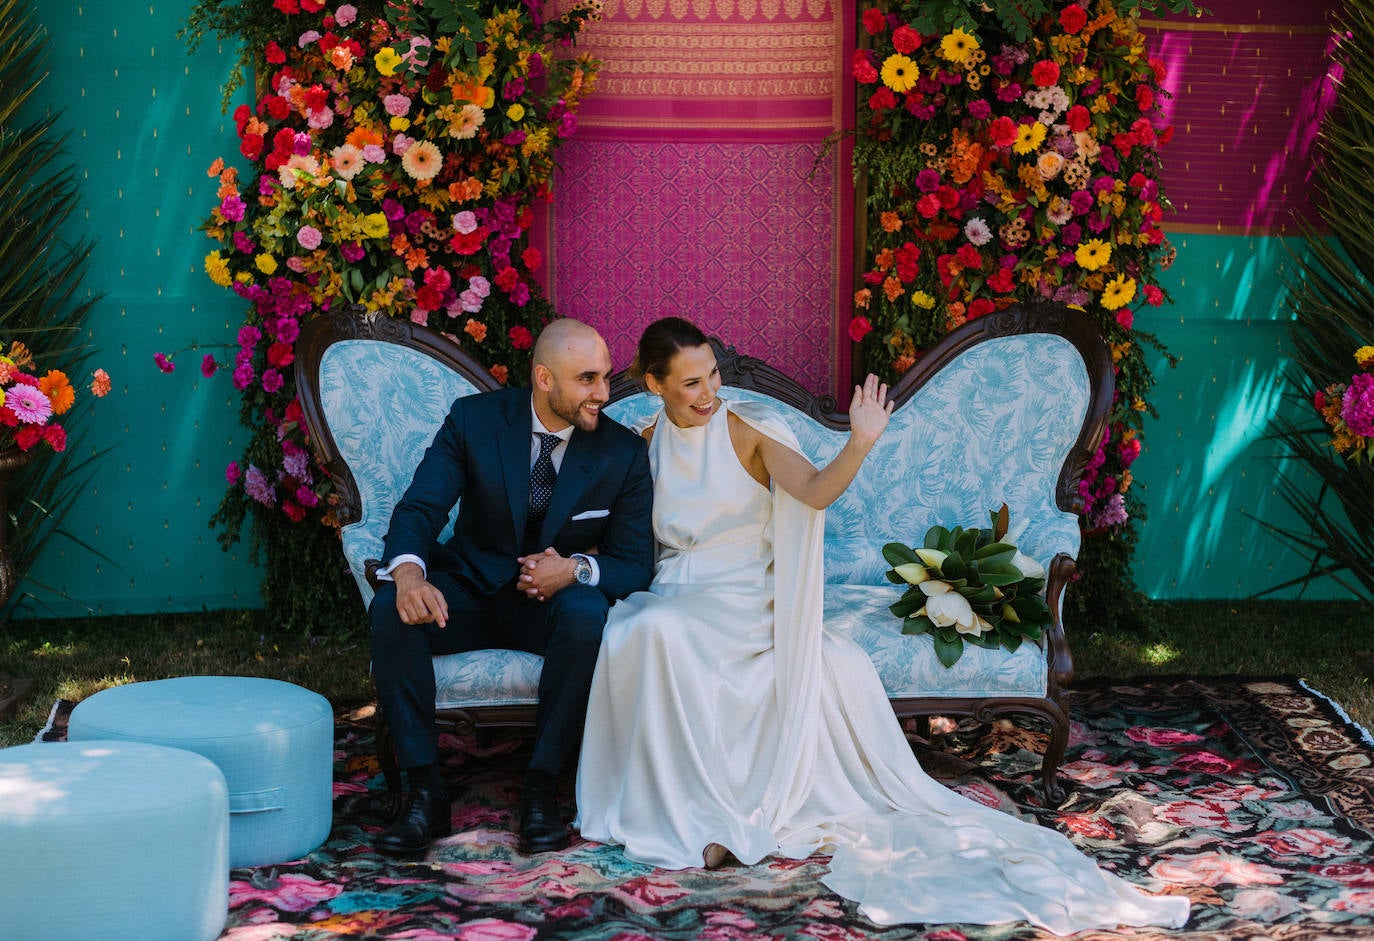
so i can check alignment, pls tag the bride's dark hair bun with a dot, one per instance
(660, 342)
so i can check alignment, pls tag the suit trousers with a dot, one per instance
(565, 630)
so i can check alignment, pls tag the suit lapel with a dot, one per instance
(573, 476)
(513, 445)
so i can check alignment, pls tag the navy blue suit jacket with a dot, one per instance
(481, 454)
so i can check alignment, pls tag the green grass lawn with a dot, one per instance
(1330, 644)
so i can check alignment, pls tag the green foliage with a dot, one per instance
(968, 586)
(1333, 304)
(1018, 17)
(41, 269)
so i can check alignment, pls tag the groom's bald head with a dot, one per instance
(570, 375)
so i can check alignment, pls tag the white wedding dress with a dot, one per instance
(706, 724)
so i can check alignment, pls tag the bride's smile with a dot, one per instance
(689, 389)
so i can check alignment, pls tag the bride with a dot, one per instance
(723, 717)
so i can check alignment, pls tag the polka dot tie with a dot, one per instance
(542, 476)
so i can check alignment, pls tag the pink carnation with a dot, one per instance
(309, 237)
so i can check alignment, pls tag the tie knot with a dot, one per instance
(547, 443)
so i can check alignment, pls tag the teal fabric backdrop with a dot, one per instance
(1207, 473)
(145, 122)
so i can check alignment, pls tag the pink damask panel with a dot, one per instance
(695, 184)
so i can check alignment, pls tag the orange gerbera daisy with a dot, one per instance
(58, 389)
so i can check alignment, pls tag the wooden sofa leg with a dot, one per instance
(1054, 754)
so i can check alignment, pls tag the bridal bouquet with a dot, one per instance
(969, 586)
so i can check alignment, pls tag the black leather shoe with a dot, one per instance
(541, 824)
(424, 816)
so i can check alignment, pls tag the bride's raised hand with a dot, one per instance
(869, 411)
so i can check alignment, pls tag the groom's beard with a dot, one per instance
(574, 413)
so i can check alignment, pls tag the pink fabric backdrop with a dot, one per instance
(1250, 86)
(692, 185)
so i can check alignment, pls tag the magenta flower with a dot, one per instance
(164, 362)
(232, 474)
(1357, 405)
(208, 366)
(28, 404)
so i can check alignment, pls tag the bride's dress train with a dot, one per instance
(705, 725)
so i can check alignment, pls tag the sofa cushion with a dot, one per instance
(907, 664)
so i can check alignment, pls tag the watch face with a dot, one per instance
(583, 572)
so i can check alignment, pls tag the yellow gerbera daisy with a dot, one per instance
(1093, 254)
(958, 46)
(1118, 292)
(1029, 137)
(900, 73)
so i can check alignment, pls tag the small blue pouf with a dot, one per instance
(274, 741)
(112, 840)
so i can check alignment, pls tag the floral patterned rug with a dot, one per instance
(1255, 797)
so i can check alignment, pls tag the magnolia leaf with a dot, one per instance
(949, 646)
(1012, 642)
(988, 640)
(1001, 518)
(966, 542)
(935, 536)
(908, 604)
(898, 554)
(1031, 630)
(979, 594)
(996, 552)
(954, 567)
(1000, 575)
(917, 625)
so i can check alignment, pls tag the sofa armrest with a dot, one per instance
(1058, 657)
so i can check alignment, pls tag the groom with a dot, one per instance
(553, 526)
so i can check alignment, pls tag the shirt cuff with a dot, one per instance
(384, 573)
(591, 560)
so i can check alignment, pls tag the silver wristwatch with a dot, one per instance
(582, 571)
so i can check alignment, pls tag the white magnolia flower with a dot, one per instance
(933, 558)
(947, 608)
(1027, 566)
(914, 573)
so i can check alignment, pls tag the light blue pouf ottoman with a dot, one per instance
(274, 741)
(112, 840)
